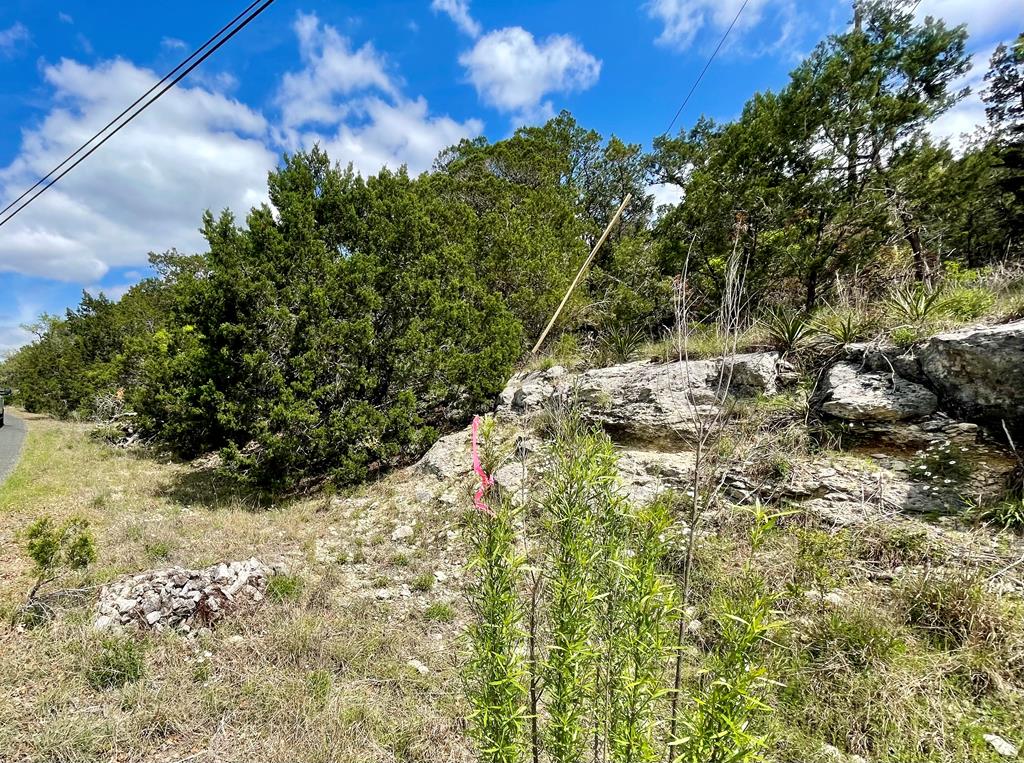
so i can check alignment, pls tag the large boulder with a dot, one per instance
(979, 372)
(853, 394)
(449, 457)
(645, 401)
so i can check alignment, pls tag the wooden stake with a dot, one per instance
(583, 268)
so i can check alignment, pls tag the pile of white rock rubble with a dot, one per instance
(180, 598)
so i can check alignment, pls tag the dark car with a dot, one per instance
(3, 393)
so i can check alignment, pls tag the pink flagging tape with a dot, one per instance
(485, 479)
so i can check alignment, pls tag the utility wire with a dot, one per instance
(705, 69)
(266, 4)
(137, 101)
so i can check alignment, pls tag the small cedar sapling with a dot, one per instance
(55, 551)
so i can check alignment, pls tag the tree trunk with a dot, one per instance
(812, 289)
(922, 268)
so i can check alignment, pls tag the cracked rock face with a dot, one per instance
(979, 372)
(644, 401)
(854, 395)
(179, 598)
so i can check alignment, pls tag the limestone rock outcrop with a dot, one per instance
(978, 372)
(850, 393)
(645, 401)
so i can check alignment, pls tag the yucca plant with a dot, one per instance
(621, 344)
(788, 330)
(843, 326)
(916, 305)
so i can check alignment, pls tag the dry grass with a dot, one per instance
(320, 675)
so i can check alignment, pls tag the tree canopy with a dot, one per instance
(340, 327)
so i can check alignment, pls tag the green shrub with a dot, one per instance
(596, 635)
(56, 551)
(121, 660)
(424, 582)
(439, 612)
(904, 336)
(158, 549)
(381, 326)
(718, 726)
(852, 639)
(822, 560)
(284, 587)
(968, 304)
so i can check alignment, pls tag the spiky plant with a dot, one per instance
(788, 330)
(843, 326)
(916, 305)
(621, 344)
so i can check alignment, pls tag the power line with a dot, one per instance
(705, 69)
(137, 101)
(266, 4)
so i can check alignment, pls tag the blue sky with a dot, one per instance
(375, 82)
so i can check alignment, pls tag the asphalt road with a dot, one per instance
(12, 435)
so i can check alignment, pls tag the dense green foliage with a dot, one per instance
(345, 324)
(572, 612)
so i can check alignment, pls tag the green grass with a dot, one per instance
(40, 472)
(439, 612)
(119, 660)
(1007, 514)
(256, 687)
(424, 582)
(284, 587)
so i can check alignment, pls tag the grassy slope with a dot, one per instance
(321, 675)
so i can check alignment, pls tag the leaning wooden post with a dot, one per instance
(583, 268)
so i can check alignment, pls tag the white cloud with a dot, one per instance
(362, 116)
(144, 190)
(12, 335)
(11, 38)
(513, 72)
(665, 193)
(114, 292)
(392, 134)
(985, 19)
(682, 20)
(173, 43)
(458, 10)
(65, 18)
(331, 70)
(195, 149)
